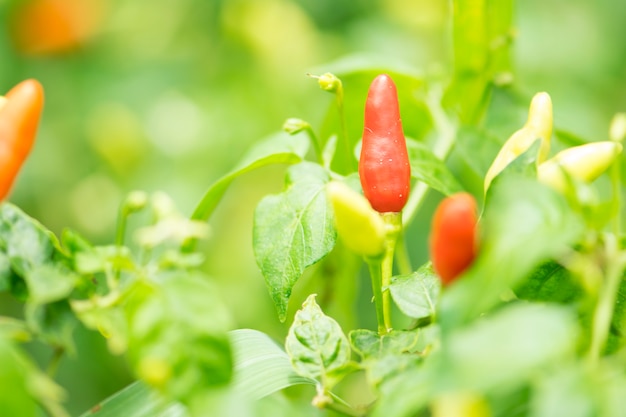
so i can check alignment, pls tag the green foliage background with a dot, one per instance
(169, 94)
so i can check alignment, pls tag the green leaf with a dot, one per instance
(15, 400)
(496, 353)
(25, 389)
(261, 366)
(14, 329)
(368, 343)
(6, 274)
(416, 294)
(178, 339)
(53, 323)
(510, 345)
(136, 400)
(426, 167)
(278, 149)
(315, 343)
(26, 242)
(524, 225)
(292, 231)
(49, 282)
(550, 282)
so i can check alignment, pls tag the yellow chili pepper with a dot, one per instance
(360, 227)
(584, 163)
(538, 126)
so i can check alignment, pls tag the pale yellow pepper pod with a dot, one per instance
(359, 226)
(457, 404)
(617, 130)
(538, 126)
(3, 101)
(584, 163)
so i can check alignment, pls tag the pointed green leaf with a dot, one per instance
(278, 149)
(136, 400)
(261, 366)
(426, 167)
(292, 231)
(25, 241)
(416, 294)
(315, 343)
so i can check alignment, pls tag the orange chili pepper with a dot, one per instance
(20, 111)
(454, 236)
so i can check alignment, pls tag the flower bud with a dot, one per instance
(329, 82)
(294, 125)
(360, 227)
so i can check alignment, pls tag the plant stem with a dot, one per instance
(53, 365)
(603, 312)
(617, 197)
(394, 227)
(327, 400)
(375, 268)
(350, 162)
(316, 144)
(121, 225)
(403, 259)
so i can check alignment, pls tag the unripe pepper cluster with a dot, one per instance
(20, 111)
(583, 163)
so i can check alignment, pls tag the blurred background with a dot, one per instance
(168, 94)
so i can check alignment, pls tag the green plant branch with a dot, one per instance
(603, 313)
(350, 161)
(375, 269)
(53, 365)
(617, 197)
(326, 400)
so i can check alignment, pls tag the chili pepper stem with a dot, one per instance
(402, 256)
(316, 144)
(393, 222)
(375, 269)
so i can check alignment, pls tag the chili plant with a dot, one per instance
(520, 313)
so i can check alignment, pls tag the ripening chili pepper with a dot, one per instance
(454, 236)
(19, 118)
(584, 163)
(538, 126)
(49, 27)
(360, 227)
(384, 166)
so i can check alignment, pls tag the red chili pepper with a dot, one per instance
(384, 164)
(20, 110)
(453, 237)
